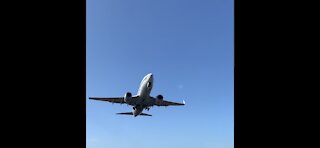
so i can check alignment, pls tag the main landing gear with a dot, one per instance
(138, 106)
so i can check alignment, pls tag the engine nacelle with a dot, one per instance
(159, 98)
(128, 97)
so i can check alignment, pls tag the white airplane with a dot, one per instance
(142, 100)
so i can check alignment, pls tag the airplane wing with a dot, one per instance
(168, 103)
(112, 100)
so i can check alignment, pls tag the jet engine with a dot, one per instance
(159, 98)
(127, 97)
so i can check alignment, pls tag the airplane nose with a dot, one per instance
(151, 75)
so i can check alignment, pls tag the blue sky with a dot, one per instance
(187, 45)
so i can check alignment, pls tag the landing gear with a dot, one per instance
(141, 107)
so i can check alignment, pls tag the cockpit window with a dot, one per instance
(149, 84)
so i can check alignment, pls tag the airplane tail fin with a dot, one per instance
(130, 113)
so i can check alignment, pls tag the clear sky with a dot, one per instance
(188, 45)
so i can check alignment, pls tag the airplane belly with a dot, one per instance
(146, 101)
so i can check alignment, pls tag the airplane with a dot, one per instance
(142, 100)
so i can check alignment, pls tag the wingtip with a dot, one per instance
(184, 102)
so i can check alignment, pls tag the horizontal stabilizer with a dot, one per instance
(130, 113)
(143, 114)
(127, 113)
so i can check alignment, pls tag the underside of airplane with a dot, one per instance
(141, 101)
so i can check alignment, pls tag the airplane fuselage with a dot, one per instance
(144, 100)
